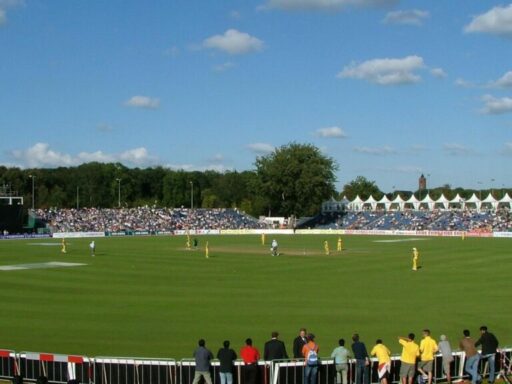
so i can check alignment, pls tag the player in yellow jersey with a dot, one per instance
(415, 257)
(63, 244)
(262, 239)
(189, 244)
(206, 251)
(339, 246)
(326, 248)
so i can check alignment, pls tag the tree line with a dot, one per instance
(292, 180)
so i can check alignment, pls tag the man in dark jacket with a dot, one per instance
(489, 344)
(226, 358)
(202, 357)
(274, 349)
(298, 343)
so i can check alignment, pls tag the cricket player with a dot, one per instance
(189, 244)
(206, 250)
(415, 257)
(339, 247)
(273, 248)
(63, 243)
(92, 247)
(262, 239)
(326, 248)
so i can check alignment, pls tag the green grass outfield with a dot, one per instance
(150, 297)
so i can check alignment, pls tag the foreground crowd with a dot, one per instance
(415, 360)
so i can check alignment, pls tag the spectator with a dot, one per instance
(410, 351)
(226, 357)
(362, 361)
(202, 357)
(310, 353)
(489, 344)
(250, 355)
(274, 349)
(340, 354)
(446, 351)
(467, 344)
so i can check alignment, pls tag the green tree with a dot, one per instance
(361, 187)
(295, 179)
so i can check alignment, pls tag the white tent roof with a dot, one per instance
(489, 199)
(357, 200)
(457, 199)
(412, 199)
(506, 199)
(398, 199)
(473, 199)
(370, 200)
(427, 199)
(442, 199)
(384, 199)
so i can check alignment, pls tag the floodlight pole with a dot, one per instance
(33, 190)
(118, 193)
(77, 197)
(191, 195)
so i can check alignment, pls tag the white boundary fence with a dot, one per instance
(36, 367)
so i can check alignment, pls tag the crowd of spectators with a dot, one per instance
(436, 220)
(172, 219)
(145, 219)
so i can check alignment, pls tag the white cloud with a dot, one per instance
(235, 15)
(224, 66)
(504, 81)
(173, 51)
(496, 106)
(413, 17)
(385, 71)
(40, 155)
(438, 72)
(143, 102)
(507, 150)
(464, 83)
(331, 132)
(377, 151)
(6, 4)
(234, 42)
(261, 148)
(455, 149)
(321, 5)
(104, 127)
(497, 21)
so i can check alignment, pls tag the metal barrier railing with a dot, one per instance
(59, 369)
(56, 368)
(113, 370)
(8, 364)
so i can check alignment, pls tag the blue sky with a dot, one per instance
(390, 89)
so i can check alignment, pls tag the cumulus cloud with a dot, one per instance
(496, 21)
(40, 155)
(496, 106)
(413, 17)
(454, 149)
(438, 72)
(143, 102)
(385, 71)
(234, 42)
(464, 83)
(6, 4)
(377, 151)
(321, 5)
(331, 132)
(261, 148)
(224, 66)
(507, 149)
(504, 81)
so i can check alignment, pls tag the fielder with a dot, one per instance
(92, 247)
(273, 248)
(415, 257)
(326, 248)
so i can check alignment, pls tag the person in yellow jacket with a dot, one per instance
(410, 351)
(384, 360)
(428, 348)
